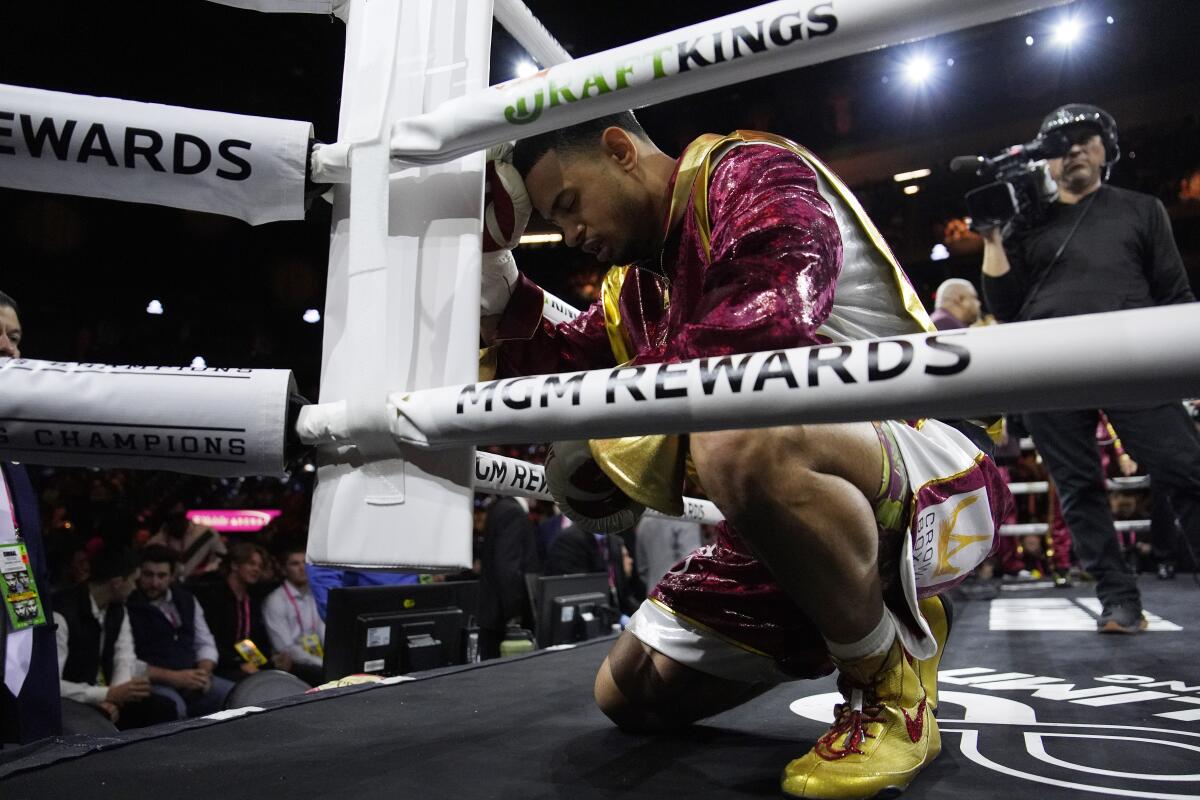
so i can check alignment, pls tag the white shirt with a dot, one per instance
(290, 613)
(18, 653)
(125, 661)
(204, 647)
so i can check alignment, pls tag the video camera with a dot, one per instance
(1021, 188)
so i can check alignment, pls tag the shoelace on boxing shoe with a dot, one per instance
(850, 720)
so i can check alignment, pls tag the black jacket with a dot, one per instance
(37, 712)
(509, 552)
(158, 642)
(1121, 256)
(221, 610)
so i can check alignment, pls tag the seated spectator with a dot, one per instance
(171, 635)
(234, 616)
(290, 614)
(198, 548)
(97, 664)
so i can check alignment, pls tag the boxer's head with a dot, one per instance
(603, 182)
(10, 328)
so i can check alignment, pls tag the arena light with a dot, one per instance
(1067, 31)
(199, 363)
(918, 70)
(541, 238)
(1109, 20)
(1029, 41)
(901, 177)
(526, 68)
(154, 307)
(911, 189)
(312, 316)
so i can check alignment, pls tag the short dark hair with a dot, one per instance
(7, 302)
(113, 564)
(242, 552)
(574, 138)
(158, 554)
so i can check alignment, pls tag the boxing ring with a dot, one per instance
(400, 410)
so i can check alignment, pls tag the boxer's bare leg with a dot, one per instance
(645, 691)
(801, 497)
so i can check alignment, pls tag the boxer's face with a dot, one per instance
(10, 333)
(599, 199)
(1080, 168)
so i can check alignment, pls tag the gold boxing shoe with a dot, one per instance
(881, 737)
(939, 613)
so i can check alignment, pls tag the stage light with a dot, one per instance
(1067, 31)
(154, 307)
(199, 363)
(312, 316)
(541, 238)
(918, 70)
(1109, 20)
(911, 189)
(901, 177)
(949, 62)
(939, 253)
(526, 68)
(1029, 41)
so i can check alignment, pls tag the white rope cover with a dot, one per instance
(759, 41)
(1039, 528)
(529, 32)
(219, 422)
(515, 478)
(1058, 363)
(1112, 484)
(247, 167)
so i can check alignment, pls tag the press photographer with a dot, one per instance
(1094, 248)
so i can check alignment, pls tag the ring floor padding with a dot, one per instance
(527, 728)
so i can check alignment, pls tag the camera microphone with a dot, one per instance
(1052, 145)
(966, 165)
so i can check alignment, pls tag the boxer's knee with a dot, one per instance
(645, 691)
(642, 694)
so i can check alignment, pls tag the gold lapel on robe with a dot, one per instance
(650, 469)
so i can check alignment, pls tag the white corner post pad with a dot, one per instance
(212, 421)
(247, 167)
(402, 305)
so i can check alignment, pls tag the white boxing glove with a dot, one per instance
(498, 277)
(586, 495)
(506, 204)
(506, 211)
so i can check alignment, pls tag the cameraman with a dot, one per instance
(1099, 248)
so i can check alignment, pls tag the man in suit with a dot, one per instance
(30, 708)
(509, 551)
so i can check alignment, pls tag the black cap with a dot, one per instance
(1074, 114)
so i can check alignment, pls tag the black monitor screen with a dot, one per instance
(395, 630)
(572, 608)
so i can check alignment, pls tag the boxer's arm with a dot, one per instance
(776, 253)
(527, 344)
